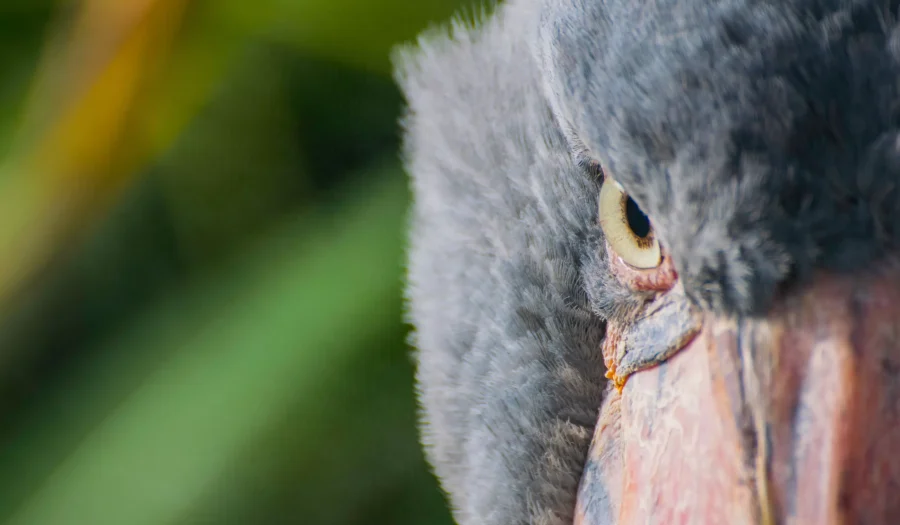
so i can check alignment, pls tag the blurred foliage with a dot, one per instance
(202, 225)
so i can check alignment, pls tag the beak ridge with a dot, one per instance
(793, 418)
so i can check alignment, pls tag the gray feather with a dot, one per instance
(504, 226)
(760, 136)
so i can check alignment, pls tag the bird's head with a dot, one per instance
(740, 162)
(751, 161)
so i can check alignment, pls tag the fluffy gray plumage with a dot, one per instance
(759, 136)
(504, 223)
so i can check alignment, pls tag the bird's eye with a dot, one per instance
(628, 231)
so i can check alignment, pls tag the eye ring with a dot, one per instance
(628, 230)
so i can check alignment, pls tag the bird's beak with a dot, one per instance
(789, 419)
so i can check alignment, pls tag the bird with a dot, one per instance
(652, 270)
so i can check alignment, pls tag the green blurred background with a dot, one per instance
(202, 227)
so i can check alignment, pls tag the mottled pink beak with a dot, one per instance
(789, 419)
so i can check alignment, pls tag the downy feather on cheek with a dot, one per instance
(504, 229)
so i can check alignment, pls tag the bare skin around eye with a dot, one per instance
(659, 279)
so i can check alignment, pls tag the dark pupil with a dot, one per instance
(637, 221)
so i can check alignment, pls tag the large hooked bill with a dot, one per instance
(788, 418)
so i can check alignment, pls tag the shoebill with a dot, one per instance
(653, 270)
